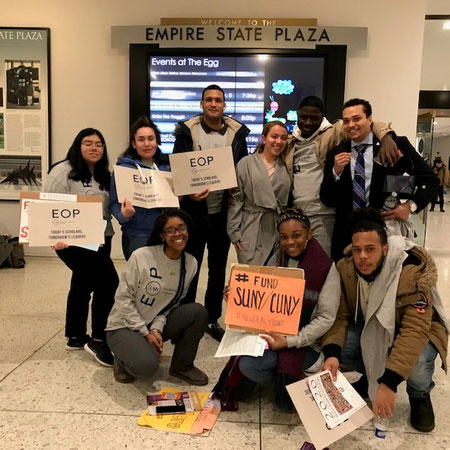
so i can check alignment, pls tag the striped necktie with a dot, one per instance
(359, 180)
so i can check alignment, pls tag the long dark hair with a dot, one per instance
(144, 122)
(80, 170)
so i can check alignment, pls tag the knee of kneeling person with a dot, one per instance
(144, 368)
(199, 314)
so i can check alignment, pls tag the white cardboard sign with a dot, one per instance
(313, 421)
(75, 223)
(146, 188)
(195, 171)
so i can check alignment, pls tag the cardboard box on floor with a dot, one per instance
(313, 421)
(265, 298)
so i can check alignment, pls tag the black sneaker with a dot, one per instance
(100, 351)
(77, 343)
(215, 331)
(422, 415)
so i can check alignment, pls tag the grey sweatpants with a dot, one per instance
(185, 326)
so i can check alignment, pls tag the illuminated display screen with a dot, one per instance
(258, 89)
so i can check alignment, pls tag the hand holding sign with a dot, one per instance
(265, 299)
(127, 209)
(199, 196)
(275, 341)
(59, 246)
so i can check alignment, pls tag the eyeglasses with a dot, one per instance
(172, 231)
(92, 144)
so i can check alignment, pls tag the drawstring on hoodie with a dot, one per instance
(358, 287)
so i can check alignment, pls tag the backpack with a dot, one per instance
(11, 252)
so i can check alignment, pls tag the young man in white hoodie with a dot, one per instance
(305, 157)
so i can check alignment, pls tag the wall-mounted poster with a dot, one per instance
(24, 110)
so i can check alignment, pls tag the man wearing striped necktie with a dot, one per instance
(353, 180)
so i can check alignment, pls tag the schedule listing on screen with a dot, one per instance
(258, 89)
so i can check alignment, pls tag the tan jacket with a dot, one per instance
(443, 175)
(328, 139)
(415, 326)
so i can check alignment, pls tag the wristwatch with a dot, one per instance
(412, 206)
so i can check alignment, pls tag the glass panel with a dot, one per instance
(424, 145)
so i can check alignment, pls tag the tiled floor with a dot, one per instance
(54, 399)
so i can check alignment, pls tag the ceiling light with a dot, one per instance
(446, 25)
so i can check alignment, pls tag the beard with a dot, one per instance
(371, 276)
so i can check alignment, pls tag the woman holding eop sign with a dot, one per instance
(143, 152)
(85, 171)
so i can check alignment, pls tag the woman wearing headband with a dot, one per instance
(289, 357)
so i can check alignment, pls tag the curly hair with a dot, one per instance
(368, 219)
(161, 220)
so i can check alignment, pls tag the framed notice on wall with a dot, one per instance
(24, 110)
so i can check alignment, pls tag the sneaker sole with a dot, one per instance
(129, 380)
(188, 380)
(68, 347)
(102, 363)
(428, 429)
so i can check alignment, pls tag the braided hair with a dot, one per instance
(282, 259)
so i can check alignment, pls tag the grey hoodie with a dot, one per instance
(308, 173)
(147, 285)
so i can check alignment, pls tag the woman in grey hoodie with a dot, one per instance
(85, 171)
(149, 309)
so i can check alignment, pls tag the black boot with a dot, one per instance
(422, 415)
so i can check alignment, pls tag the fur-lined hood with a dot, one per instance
(233, 124)
(425, 274)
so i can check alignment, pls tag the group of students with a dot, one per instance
(154, 300)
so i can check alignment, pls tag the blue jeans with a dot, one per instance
(419, 383)
(131, 243)
(263, 369)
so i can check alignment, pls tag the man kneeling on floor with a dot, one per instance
(390, 323)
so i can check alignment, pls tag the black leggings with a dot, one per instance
(91, 272)
(440, 194)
